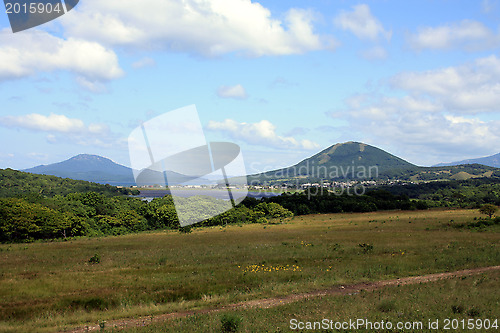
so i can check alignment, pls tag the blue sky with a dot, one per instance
(283, 79)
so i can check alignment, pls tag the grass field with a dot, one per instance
(52, 286)
(448, 301)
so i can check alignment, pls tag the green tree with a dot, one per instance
(132, 220)
(488, 209)
(273, 210)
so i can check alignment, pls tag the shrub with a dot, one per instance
(230, 322)
(186, 230)
(366, 247)
(96, 259)
(387, 306)
(473, 313)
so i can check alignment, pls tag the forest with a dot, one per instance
(37, 207)
(470, 193)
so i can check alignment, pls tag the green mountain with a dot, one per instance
(359, 161)
(18, 183)
(350, 160)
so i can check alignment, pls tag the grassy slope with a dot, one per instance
(43, 285)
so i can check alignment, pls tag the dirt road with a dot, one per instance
(277, 301)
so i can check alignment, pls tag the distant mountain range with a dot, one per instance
(492, 161)
(349, 160)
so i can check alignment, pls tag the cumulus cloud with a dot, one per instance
(25, 54)
(420, 135)
(436, 113)
(262, 133)
(361, 22)
(205, 27)
(466, 34)
(61, 129)
(430, 134)
(38, 122)
(468, 88)
(236, 91)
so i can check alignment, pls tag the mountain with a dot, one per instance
(87, 167)
(349, 160)
(492, 161)
(359, 161)
(98, 169)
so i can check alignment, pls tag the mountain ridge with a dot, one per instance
(99, 169)
(342, 161)
(492, 161)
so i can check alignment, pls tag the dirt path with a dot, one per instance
(276, 301)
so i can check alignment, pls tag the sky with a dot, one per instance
(282, 79)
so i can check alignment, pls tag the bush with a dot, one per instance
(96, 259)
(366, 247)
(230, 322)
(387, 306)
(488, 209)
(186, 230)
(273, 210)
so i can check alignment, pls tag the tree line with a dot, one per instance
(302, 203)
(33, 216)
(36, 207)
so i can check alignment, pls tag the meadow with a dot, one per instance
(51, 286)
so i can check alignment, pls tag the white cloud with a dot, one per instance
(423, 135)
(466, 34)
(375, 53)
(206, 27)
(468, 88)
(362, 23)
(236, 91)
(94, 86)
(262, 133)
(38, 122)
(63, 129)
(144, 62)
(436, 115)
(27, 53)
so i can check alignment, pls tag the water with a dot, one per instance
(186, 193)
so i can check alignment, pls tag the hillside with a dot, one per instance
(17, 183)
(492, 161)
(359, 161)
